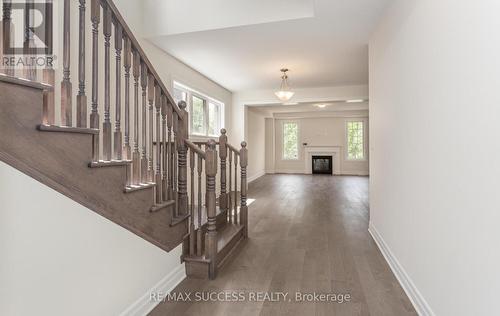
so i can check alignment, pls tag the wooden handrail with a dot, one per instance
(137, 46)
(195, 148)
(233, 149)
(198, 142)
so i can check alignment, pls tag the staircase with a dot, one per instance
(148, 177)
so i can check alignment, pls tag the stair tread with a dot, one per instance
(25, 82)
(66, 129)
(137, 187)
(158, 207)
(103, 163)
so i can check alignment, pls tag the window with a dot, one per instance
(206, 114)
(197, 115)
(213, 118)
(355, 140)
(290, 140)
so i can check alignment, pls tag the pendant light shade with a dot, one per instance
(284, 93)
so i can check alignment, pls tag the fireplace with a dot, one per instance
(322, 165)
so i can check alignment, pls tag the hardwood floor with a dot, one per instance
(307, 234)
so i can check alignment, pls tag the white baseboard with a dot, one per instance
(145, 305)
(300, 171)
(291, 171)
(256, 176)
(418, 301)
(355, 173)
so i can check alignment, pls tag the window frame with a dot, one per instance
(206, 100)
(205, 116)
(364, 144)
(283, 140)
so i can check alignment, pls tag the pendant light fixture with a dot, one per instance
(284, 94)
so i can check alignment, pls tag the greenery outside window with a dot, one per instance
(355, 140)
(206, 115)
(290, 140)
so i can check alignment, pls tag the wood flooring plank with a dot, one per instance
(306, 234)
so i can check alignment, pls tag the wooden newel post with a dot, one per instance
(199, 231)
(223, 155)
(211, 237)
(192, 237)
(243, 185)
(182, 163)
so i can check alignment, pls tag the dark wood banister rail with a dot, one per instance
(195, 148)
(233, 149)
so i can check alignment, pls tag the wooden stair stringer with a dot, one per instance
(60, 161)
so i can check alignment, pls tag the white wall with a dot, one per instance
(60, 258)
(256, 144)
(435, 148)
(270, 145)
(321, 131)
(241, 100)
(168, 67)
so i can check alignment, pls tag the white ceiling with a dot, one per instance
(329, 49)
(309, 107)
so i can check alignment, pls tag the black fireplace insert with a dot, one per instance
(322, 165)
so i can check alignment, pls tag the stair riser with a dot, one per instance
(222, 253)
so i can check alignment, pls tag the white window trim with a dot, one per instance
(365, 145)
(206, 99)
(299, 152)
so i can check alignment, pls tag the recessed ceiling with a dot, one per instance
(309, 107)
(328, 49)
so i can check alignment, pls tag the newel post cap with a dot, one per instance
(211, 158)
(222, 144)
(244, 154)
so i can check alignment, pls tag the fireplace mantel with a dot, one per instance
(334, 151)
